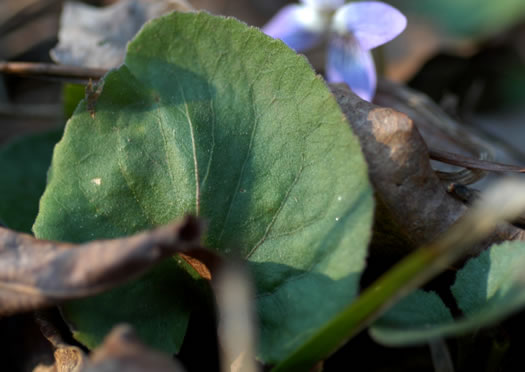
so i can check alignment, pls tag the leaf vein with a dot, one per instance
(269, 57)
(212, 108)
(277, 213)
(194, 151)
(162, 126)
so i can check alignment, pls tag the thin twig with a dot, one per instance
(425, 112)
(52, 71)
(471, 163)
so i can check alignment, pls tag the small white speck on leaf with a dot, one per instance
(96, 181)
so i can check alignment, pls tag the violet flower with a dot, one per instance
(352, 30)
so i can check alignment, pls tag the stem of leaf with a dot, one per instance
(372, 302)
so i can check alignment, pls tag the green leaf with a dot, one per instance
(491, 286)
(418, 318)
(151, 304)
(23, 166)
(487, 289)
(72, 94)
(211, 117)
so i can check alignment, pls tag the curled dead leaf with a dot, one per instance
(36, 273)
(96, 37)
(413, 206)
(121, 351)
(68, 358)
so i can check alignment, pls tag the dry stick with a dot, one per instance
(74, 74)
(423, 110)
(428, 111)
(471, 163)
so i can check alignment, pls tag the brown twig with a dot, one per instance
(74, 74)
(471, 163)
(429, 116)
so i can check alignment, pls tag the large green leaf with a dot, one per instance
(487, 289)
(211, 117)
(23, 166)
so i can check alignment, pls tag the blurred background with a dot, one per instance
(469, 56)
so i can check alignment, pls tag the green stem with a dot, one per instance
(358, 314)
(407, 275)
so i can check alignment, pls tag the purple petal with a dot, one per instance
(324, 4)
(290, 25)
(372, 23)
(348, 62)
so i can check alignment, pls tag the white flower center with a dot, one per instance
(314, 19)
(324, 4)
(339, 23)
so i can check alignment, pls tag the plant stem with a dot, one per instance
(73, 74)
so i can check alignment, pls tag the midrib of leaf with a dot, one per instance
(194, 151)
(212, 149)
(162, 126)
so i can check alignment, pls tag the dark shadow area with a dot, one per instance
(24, 165)
(22, 345)
(200, 348)
(483, 349)
(364, 354)
(488, 80)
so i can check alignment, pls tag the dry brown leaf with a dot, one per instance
(413, 206)
(97, 37)
(68, 358)
(36, 273)
(120, 351)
